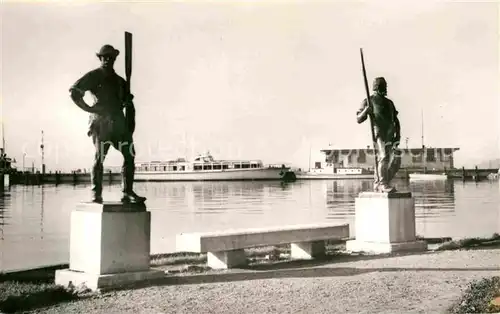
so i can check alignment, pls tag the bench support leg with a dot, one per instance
(226, 259)
(307, 250)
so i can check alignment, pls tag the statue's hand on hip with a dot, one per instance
(397, 138)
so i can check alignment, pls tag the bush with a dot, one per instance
(478, 296)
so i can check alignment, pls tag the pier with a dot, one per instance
(29, 178)
(474, 174)
(37, 178)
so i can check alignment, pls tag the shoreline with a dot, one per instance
(270, 253)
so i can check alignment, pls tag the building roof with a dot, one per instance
(371, 150)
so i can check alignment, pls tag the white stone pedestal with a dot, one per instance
(385, 223)
(109, 246)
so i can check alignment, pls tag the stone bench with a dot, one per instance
(226, 249)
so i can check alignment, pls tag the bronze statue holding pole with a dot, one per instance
(385, 129)
(109, 126)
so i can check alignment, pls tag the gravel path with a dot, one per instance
(421, 283)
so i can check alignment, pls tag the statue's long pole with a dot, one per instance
(374, 140)
(129, 111)
(128, 57)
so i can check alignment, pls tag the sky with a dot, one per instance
(274, 80)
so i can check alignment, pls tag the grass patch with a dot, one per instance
(187, 258)
(274, 252)
(178, 259)
(433, 240)
(478, 297)
(23, 296)
(37, 275)
(470, 243)
(32, 289)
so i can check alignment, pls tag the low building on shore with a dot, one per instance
(430, 158)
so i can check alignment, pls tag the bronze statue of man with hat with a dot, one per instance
(108, 125)
(386, 134)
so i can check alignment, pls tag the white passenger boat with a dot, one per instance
(206, 168)
(327, 170)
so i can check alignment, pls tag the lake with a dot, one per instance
(34, 220)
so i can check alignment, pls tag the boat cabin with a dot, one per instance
(199, 163)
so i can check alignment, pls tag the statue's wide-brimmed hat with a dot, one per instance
(108, 50)
(379, 83)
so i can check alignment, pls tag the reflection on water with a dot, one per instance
(4, 203)
(34, 220)
(434, 204)
(431, 198)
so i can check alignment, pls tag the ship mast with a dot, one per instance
(424, 150)
(309, 157)
(43, 155)
(3, 138)
(422, 131)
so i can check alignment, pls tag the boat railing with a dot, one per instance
(277, 166)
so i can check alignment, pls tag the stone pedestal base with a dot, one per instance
(385, 223)
(6, 180)
(67, 277)
(109, 245)
(380, 248)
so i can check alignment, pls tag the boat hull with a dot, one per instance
(326, 176)
(427, 177)
(214, 175)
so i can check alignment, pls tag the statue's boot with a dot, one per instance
(129, 196)
(385, 188)
(132, 197)
(96, 199)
